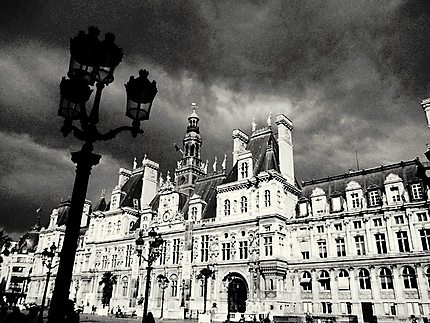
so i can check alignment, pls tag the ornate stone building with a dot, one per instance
(357, 243)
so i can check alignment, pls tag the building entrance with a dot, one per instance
(237, 293)
(367, 309)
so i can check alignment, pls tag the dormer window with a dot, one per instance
(303, 207)
(244, 170)
(243, 204)
(194, 213)
(227, 207)
(395, 194)
(417, 191)
(374, 197)
(266, 198)
(355, 201)
(336, 202)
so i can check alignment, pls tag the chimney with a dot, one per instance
(286, 160)
(150, 181)
(240, 140)
(124, 175)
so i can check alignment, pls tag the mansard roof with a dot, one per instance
(101, 205)
(206, 189)
(63, 212)
(265, 153)
(366, 178)
(132, 189)
(28, 242)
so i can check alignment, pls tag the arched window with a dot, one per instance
(244, 170)
(306, 281)
(118, 227)
(243, 204)
(266, 198)
(325, 280)
(227, 207)
(427, 273)
(386, 278)
(194, 212)
(173, 286)
(124, 286)
(343, 280)
(130, 227)
(364, 279)
(409, 278)
(192, 150)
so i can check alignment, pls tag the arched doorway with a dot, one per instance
(237, 291)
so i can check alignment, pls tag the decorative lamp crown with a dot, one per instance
(140, 94)
(84, 55)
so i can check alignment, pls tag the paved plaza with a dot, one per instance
(111, 319)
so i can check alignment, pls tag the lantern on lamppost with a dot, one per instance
(47, 261)
(205, 273)
(155, 241)
(92, 63)
(163, 283)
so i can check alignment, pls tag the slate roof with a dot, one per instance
(63, 212)
(132, 189)
(206, 189)
(101, 204)
(28, 242)
(408, 171)
(265, 153)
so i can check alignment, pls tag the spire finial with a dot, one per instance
(134, 163)
(214, 165)
(269, 119)
(103, 194)
(224, 162)
(253, 125)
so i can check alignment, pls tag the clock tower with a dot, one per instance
(189, 168)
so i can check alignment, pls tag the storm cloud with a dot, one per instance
(350, 74)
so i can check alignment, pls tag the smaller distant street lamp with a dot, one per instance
(47, 261)
(163, 283)
(155, 242)
(205, 273)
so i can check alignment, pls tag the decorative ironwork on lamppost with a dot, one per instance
(205, 273)
(155, 241)
(92, 63)
(163, 283)
(47, 261)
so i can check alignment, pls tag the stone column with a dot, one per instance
(316, 306)
(390, 234)
(376, 291)
(369, 238)
(413, 233)
(334, 290)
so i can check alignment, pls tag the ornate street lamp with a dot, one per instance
(205, 273)
(47, 261)
(163, 283)
(92, 63)
(155, 242)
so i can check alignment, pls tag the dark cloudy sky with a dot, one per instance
(350, 74)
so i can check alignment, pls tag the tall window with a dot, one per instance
(340, 247)
(194, 212)
(175, 258)
(360, 245)
(374, 198)
(427, 273)
(226, 251)
(306, 281)
(425, 238)
(355, 201)
(395, 193)
(399, 219)
(326, 307)
(173, 286)
(227, 207)
(325, 280)
(114, 260)
(377, 222)
(322, 248)
(357, 224)
(381, 244)
(320, 229)
(205, 248)
(402, 240)
(343, 280)
(129, 250)
(417, 191)
(386, 278)
(268, 250)
(243, 249)
(163, 249)
(266, 198)
(244, 170)
(409, 278)
(243, 204)
(124, 286)
(364, 279)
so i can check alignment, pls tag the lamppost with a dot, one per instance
(155, 242)
(92, 63)
(163, 283)
(47, 258)
(205, 273)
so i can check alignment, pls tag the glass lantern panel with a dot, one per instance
(69, 110)
(138, 111)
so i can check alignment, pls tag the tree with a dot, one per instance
(5, 243)
(108, 280)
